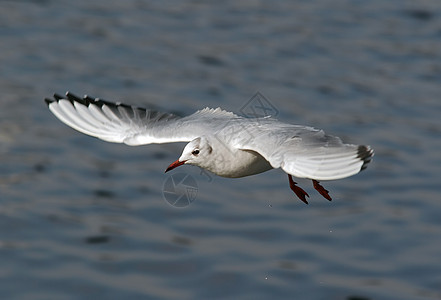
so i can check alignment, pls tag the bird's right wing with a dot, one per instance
(121, 123)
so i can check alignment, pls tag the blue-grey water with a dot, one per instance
(81, 218)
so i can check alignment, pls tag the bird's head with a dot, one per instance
(197, 153)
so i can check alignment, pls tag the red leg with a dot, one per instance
(324, 192)
(297, 190)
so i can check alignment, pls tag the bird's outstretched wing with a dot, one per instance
(303, 151)
(122, 123)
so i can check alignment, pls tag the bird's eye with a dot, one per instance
(195, 152)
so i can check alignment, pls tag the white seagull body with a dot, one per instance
(224, 143)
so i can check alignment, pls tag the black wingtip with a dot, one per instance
(86, 100)
(55, 98)
(365, 153)
(73, 98)
(48, 101)
(58, 97)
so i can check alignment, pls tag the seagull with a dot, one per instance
(219, 141)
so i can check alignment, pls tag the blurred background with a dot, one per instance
(82, 218)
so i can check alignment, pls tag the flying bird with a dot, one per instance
(219, 141)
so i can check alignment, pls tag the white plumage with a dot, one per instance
(226, 144)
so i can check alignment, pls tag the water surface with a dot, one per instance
(83, 218)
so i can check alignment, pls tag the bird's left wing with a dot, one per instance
(303, 151)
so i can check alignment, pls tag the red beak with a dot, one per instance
(174, 165)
